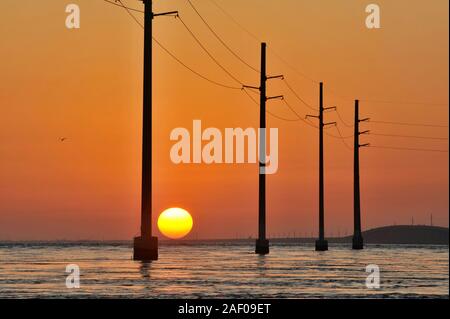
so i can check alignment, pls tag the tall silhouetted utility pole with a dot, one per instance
(357, 242)
(321, 243)
(146, 246)
(262, 244)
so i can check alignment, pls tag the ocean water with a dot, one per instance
(222, 270)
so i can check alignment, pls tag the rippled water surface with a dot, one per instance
(222, 270)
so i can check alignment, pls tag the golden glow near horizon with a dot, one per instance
(175, 223)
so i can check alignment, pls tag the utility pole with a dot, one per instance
(262, 244)
(146, 246)
(357, 242)
(321, 243)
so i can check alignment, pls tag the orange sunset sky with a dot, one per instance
(86, 85)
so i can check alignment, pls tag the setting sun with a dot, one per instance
(175, 223)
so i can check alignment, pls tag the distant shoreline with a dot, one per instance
(387, 235)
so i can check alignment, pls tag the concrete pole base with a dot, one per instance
(145, 248)
(321, 245)
(262, 246)
(357, 242)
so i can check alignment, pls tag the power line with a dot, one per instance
(220, 39)
(208, 53)
(409, 149)
(301, 118)
(292, 109)
(252, 98)
(341, 135)
(123, 6)
(403, 102)
(370, 101)
(399, 135)
(252, 35)
(173, 56)
(303, 75)
(408, 124)
(342, 120)
(342, 138)
(235, 21)
(292, 67)
(131, 14)
(192, 70)
(297, 95)
(267, 111)
(411, 136)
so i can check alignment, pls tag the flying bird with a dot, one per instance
(62, 139)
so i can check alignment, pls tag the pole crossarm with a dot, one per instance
(309, 115)
(330, 108)
(277, 97)
(364, 145)
(275, 77)
(364, 132)
(331, 123)
(250, 87)
(364, 120)
(175, 13)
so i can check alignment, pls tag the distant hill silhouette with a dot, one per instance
(406, 234)
(394, 235)
(401, 234)
(388, 235)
